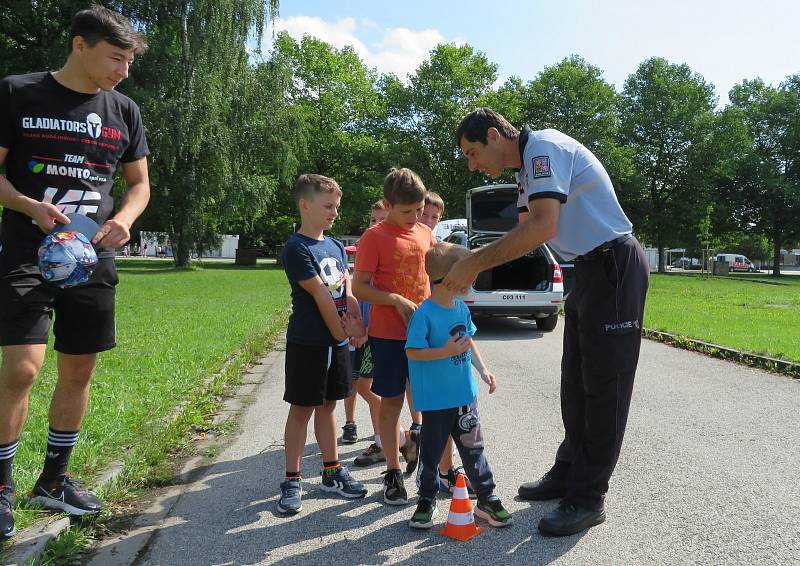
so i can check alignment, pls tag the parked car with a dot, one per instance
(531, 286)
(687, 263)
(737, 262)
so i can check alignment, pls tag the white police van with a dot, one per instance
(737, 262)
(531, 286)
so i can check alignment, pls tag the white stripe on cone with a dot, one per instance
(460, 493)
(460, 519)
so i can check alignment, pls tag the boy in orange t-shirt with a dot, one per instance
(390, 274)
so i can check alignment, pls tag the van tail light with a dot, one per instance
(558, 277)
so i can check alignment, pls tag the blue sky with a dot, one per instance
(725, 41)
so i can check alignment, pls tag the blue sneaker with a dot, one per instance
(342, 482)
(291, 501)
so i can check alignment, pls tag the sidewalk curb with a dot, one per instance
(774, 365)
(30, 543)
(125, 548)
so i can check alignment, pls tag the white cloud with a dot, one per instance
(399, 50)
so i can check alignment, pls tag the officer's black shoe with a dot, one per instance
(570, 518)
(552, 485)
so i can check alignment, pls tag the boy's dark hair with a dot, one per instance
(475, 125)
(403, 186)
(435, 200)
(97, 23)
(310, 184)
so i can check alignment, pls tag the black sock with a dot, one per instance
(416, 426)
(59, 447)
(292, 475)
(7, 452)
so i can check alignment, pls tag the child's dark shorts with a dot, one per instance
(390, 367)
(315, 374)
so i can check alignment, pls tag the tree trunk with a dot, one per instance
(776, 257)
(182, 253)
(661, 262)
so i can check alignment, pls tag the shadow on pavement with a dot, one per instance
(494, 328)
(229, 516)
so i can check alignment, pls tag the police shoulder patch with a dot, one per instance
(541, 167)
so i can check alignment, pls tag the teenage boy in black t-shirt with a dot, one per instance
(62, 136)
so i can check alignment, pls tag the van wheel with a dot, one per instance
(548, 323)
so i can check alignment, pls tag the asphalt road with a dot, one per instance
(708, 475)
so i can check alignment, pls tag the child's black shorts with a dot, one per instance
(315, 374)
(84, 315)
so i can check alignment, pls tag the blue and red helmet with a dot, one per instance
(66, 256)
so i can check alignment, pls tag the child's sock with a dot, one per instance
(7, 452)
(378, 441)
(402, 438)
(331, 467)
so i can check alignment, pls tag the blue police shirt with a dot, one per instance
(556, 166)
(304, 258)
(448, 382)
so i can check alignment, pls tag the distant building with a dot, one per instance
(150, 242)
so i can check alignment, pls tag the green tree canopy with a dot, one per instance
(666, 121)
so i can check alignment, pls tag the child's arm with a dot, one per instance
(455, 346)
(484, 372)
(327, 309)
(366, 292)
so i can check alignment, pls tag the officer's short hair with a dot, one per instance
(97, 23)
(403, 186)
(475, 125)
(441, 257)
(310, 184)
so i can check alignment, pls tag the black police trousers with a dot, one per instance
(602, 337)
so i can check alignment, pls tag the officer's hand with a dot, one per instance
(112, 234)
(46, 215)
(460, 276)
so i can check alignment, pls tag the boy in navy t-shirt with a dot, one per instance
(324, 317)
(440, 354)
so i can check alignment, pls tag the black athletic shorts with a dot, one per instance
(84, 315)
(315, 374)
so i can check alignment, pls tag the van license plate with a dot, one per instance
(515, 297)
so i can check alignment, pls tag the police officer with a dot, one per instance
(573, 207)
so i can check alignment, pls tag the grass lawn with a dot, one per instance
(755, 313)
(174, 329)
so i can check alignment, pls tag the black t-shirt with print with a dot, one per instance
(63, 147)
(304, 258)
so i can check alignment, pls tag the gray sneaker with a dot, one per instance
(343, 483)
(372, 455)
(291, 501)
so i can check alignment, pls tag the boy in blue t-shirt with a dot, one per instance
(324, 317)
(440, 354)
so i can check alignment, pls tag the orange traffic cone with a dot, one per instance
(461, 523)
